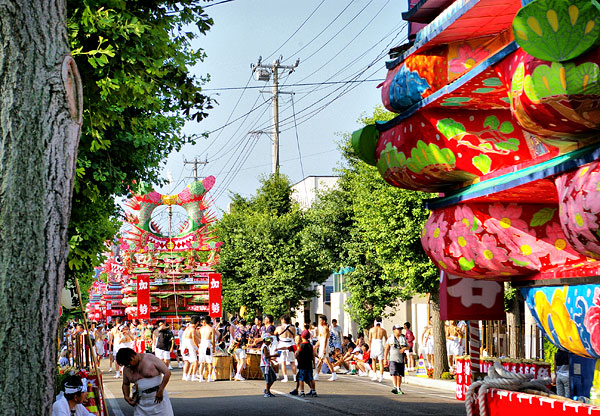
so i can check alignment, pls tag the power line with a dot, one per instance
(216, 4)
(322, 31)
(338, 32)
(305, 84)
(297, 30)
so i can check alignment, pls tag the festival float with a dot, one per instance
(170, 275)
(498, 116)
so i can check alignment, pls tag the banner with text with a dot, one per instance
(143, 297)
(214, 295)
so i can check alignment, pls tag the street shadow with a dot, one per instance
(326, 404)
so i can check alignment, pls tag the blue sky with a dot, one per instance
(335, 40)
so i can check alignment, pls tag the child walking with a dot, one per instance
(306, 359)
(266, 365)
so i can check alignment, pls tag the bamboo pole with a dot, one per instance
(92, 350)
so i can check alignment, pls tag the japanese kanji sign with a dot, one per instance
(214, 295)
(470, 299)
(143, 297)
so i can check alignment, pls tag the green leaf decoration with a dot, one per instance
(583, 79)
(450, 128)
(364, 143)
(465, 264)
(519, 263)
(425, 155)
(510, 144)
(483, 163)
(390, 158)
(492, 82)
(506, 127)
(542, 216)
(516, 85)
(557, 30)
(491, 122)
(475, 226)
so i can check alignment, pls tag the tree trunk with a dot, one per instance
(40, 120)
(440, 356)
(514, 326)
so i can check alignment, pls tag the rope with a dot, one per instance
(498, 377)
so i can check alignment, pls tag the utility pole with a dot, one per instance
(196, 162)
(263, 73)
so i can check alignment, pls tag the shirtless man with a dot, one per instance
(287, 334)
(99, 343)
(189, 348)
(453, 341)
(116, 340)
(150, 376)
(322, 347)
(377, 338)
(206, 348)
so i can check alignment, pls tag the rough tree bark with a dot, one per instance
(514, 327)
(40, 120)
(440, 356)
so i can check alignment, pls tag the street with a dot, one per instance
(350, 395)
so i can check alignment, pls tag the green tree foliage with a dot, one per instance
(374, 228)
(134, 58)
(265, 266)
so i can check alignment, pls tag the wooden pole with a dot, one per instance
(92, 350)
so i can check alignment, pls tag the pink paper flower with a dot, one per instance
(505, 222)
(443, 262)
(490, 256)
(591, 197)
(435, 231)
(464, 214)
(557, 246)
(464, 241)
(525, 251)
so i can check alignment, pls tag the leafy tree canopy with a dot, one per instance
(265, 266)
(134, 58)
(374, 228)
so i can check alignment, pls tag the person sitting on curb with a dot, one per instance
(70, 402)
(363, 360)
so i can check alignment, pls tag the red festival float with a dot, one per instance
(498, 105)
(170, 275)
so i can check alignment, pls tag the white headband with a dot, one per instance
(77, 389)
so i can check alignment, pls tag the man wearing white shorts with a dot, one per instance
(287, 335)
(164, 345)
(189, 351)
(377, 337)
(323, 348)
(206, 347)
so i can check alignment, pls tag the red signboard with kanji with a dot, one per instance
(143, 297)
(214, 295)
(470, 299)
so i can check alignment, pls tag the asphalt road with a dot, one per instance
(349, 395)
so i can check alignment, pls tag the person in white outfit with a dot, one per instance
(323, 348)
(287, 334)
(377, 338)
(69, 402)
(150, 376)
(189, 351)
(206, 348)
